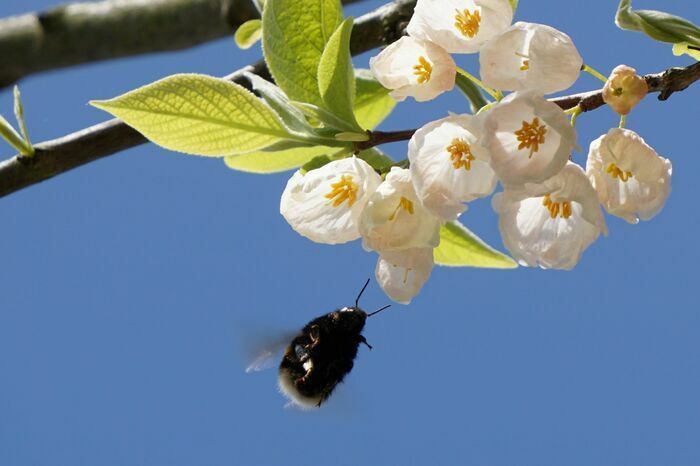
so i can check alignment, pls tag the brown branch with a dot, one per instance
(87, 32)
(665, 83)
(61, 155)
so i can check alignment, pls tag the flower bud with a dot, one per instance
(624, 89)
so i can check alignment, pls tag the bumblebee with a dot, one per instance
(322, 354)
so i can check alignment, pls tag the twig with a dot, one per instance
(61, 155)
(665, 83)
(87, 32)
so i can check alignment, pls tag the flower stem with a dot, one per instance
(623, 121)
(595, 73)
(574, 112)
(498, 95)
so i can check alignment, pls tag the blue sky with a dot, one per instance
(132, 289)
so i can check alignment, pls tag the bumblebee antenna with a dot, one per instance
(357, 300)
(378, 310)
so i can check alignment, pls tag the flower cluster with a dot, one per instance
(549, 209)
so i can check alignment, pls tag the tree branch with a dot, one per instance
(372, 30)
(665, 83)
(86, 32)
(52, 158)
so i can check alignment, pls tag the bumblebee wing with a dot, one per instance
(264, 360)
(269, 353)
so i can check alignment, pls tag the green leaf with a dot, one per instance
(199, 115)
(336, 78)
(324, 116)
(275, 162)
(377, 159)
(248, 34)
(663, 27)
(316, 162)
(459, 247)
(372, 102)
(19, 115)
(685, 48)
(291, 116)
(472, 92)
(8, 133)
(295, 33)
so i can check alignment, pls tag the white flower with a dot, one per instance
(394, 218)
(447, 167)
(413, 68)
(402, 274)
(631, 179)
(460, 26)
(529, 138)
(530, 57)
(325, 204)
(552, 223)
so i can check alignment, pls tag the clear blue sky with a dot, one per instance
(131, 288)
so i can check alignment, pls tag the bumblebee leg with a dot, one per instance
(364, 341)
(315, 333)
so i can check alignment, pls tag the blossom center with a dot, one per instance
(460, 154)
(404, 204)
(468, 23)
(423, 70)
(343, 190)
(555, 209)
(616, 172)
(531, 135)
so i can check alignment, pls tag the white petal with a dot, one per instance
(553, 63)
(515, 166)
(442, 182)
(394, 218)
(435, 21)
(309, 210)
(645, 192)
(401, 274)
(536, 238)
(395, 69)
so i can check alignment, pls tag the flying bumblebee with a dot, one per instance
(322, 354)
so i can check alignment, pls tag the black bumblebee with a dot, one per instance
(319, 358)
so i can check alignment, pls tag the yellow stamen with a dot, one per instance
(404, 204)
(343, 190)
(555, 209)
(526, 62)
(616, 172)
(531, 135)
(460, 154)
(423, 70)
(468, 23)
